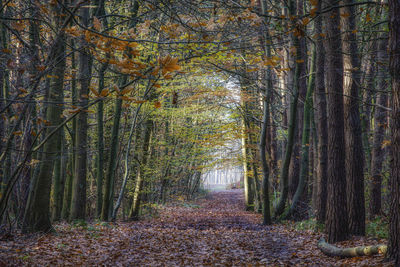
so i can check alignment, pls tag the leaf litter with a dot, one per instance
(213, 231)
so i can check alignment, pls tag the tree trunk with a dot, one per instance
(110, 175)
(134, 213)
(100, 12)
(66, 209)
(336, 221)
(78, 205)
(353, 133)
(37, 215)
(248, 187)
(298, 210)
(380, 115)
(321, 118)
(394, 68)
(301, 80)
(333, 251)
(59, 179)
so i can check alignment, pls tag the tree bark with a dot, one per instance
(336, 217)
(78, 205)
(380, 116)
(321, 118)
(394, 68)
(134, 213)
(353, 134)
(37, 214)
(298, 210)
(334, 251)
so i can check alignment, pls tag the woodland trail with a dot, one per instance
(214, 231)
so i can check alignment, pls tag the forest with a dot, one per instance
(115, 116)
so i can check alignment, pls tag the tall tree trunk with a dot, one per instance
(248, 185)
(353, 134)
(321, 118)
(288, 152)
(380, 115)
(298, 210)
(301, 80)
(65, 212)
(134, 213)
(293, 111)
(100, 11)
(78, 205)
(37, 215)
(336, 217)
(58, 181)
(394, 68)
(110, 175)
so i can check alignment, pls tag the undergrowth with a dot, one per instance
(377, 228)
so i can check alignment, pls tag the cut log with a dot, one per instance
(331, 250)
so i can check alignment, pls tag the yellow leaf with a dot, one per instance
(251, 70)
(306, 21)
(17, 133)
(345, 15)
(126, 90)
(93, 91)
(385, 143)
(73, 111)
(33, 162)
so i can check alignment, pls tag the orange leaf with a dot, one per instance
(157, 104)
(93, 91)
(96, 24)
(104, 92)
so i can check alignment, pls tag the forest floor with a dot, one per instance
(213, 231)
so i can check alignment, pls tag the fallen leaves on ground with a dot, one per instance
(215, 231)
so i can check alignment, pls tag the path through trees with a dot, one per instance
(212, 231)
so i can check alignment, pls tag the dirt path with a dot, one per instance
(215, 231)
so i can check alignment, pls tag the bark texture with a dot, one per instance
(78, 205)
(336, 217)
(334, 251)
(353, 133)
(378, 151)
(394, 52)
(321, 118)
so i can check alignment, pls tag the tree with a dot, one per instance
(321, 120)
(336, 217)
(37, 215)
(353, 135)
(78, 204)
(380, 125)
(394, 68)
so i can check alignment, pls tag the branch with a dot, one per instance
(334, 251)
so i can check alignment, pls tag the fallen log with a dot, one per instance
(331, 250)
